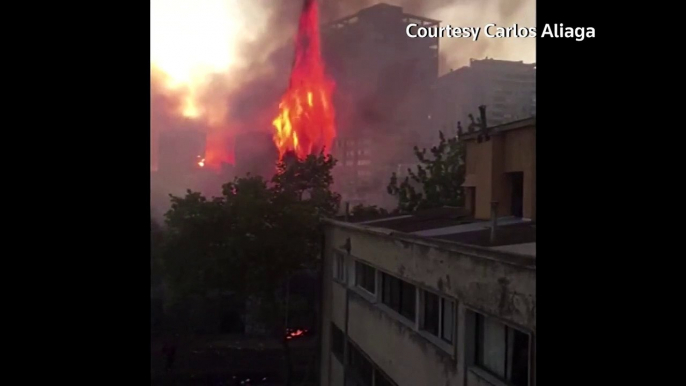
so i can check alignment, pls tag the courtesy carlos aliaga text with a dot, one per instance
(492, 30)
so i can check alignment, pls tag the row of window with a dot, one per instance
(361, 370)
(500, 349)
(437, 314)
(358, 152)
(362, 162)
(352, 142)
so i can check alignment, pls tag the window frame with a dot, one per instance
(479, 320)
(374, 274)
(339, 355)
(339, 267)
(399, 311)
(438, 338)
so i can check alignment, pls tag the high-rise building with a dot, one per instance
(506, 88)
(383, 87)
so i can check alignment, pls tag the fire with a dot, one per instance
(290, 334)
(305, 123)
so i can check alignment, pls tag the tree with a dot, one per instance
(437, 181)
(253, 239)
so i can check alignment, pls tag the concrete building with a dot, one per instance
(439, 297)
(383, 89)
(507, 88)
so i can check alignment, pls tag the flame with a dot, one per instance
(290, 334)
(305, 122)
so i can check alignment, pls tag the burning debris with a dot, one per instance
(294, 333)
(305, 122)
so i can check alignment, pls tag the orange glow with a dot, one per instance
(290, 334)
(305, 122)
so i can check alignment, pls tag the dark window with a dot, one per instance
(431, 318)
(339, 266)
(517, 193)
(337, 341)
(365, 277)
(447, 320)
(399, 295)
(502, 350)
(381, 379)
(360, 367)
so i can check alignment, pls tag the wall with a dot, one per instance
(520, 155)
(479, 172)
(496, 284)
(486, 165)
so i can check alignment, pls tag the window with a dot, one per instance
(502, 350)
(339, 266)
(362, 371)
(364, 162)
(447, 320)
(431, 318)
(381, 379)
(399, 296)
(439, 316)
(360, 367)
(365, 277)
(337, 341)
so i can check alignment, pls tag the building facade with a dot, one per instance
(402, 310)
(383, 95)
(445, 296)
(507, 88)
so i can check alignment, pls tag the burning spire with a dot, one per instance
(305, 123)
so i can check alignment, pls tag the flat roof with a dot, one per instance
(513, 234)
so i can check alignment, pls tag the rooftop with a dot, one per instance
(456, 225)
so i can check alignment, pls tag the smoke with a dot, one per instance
(244, 98)
(455, 53)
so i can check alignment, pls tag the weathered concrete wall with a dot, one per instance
(476, 277)
(327, 306)
(414, 360)
(475, 380)
(500, 285)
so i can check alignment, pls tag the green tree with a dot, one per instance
(253, 239)
(436, 182)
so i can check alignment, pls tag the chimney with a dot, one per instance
(494, 220)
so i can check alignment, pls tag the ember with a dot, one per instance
(305, 123)
(291, 333)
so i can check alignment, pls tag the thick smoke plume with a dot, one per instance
(245, 98)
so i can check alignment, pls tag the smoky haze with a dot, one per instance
(245, 99)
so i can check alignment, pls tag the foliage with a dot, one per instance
(254, 237)
(437, 181)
